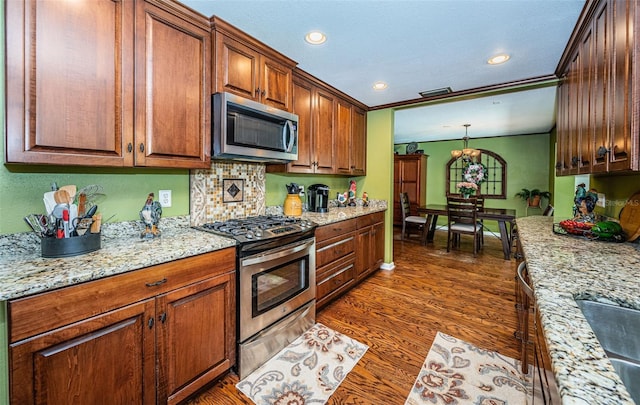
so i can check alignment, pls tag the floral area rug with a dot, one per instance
(307, 371)
(458, 373)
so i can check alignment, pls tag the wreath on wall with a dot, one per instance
(475, 173)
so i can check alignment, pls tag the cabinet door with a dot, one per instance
(600, 85)
(275, 84)
(196, 337)
(172, 90)
(358, 142)
(363, 252)
(324, 133)
(237, 68)
(303, 107)
(624, 143)
(107, 359)
(377, 244)
(64, 92)
(343, 137)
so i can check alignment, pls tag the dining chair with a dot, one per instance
(548, 212)
(462, 219)
(410, 221)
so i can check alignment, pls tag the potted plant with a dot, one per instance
(533, 196)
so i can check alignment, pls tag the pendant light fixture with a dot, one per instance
(467, 153)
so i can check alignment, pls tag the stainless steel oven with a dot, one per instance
(276, 301)
(276, 279)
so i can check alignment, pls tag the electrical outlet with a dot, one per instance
(165, 198)
(601, 202)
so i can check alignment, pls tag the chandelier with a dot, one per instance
(467, 153)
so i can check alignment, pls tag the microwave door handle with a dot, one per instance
(288, 129)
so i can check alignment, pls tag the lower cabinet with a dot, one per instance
(544, 390)
(150, 336)
(347, 252)
(370, 245)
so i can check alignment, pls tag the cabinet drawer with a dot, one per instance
(333, 249)
(49, 310)
(370, 219)
(335, 229)
(333, 280)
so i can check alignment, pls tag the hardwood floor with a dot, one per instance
(397, 314)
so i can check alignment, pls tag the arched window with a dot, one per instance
(496, 184)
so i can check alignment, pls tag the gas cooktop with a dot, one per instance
(258, 228)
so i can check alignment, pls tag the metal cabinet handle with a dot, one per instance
(129, 147)
(602, 151)
(163, 317)
(527, 289)
(142, 147)
(157, 283)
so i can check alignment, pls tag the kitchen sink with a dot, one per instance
(617, 329)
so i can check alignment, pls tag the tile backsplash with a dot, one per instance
(227, 190)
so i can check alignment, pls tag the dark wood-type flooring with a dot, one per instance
(397, 314)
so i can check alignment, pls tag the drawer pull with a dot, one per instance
(150, 323)
(157, 283)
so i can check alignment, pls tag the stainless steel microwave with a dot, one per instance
(250, 131)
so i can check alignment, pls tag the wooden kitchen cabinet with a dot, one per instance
(249, 68)
(331, 130)
(346, 253)
(369, 244)
(106, 83)
(154, 335)
(544, 389)
(598, 96)
(335, 260)
(409, 176)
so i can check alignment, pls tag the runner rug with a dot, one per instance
(307, 371)
(457, 372)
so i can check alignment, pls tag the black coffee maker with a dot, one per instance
(318, 198)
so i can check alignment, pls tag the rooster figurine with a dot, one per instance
(150, 215)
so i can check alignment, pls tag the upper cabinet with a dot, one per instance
(106, 83)
(597, 120)
(331, 130)
(248, 68)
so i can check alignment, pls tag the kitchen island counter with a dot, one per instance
(24, 272)
(564, 268)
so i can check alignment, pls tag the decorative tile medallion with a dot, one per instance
(232, 190)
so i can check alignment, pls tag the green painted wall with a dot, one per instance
(524, 170)
(617, 190)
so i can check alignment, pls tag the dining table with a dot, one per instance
(505, 217)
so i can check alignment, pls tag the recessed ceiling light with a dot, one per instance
(315, 38)
(498, 59)
(379, 85)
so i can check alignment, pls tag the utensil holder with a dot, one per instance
(73, 246)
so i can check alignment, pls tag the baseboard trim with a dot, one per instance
(387, 266)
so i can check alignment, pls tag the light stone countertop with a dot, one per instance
(24, 272)
(562, 268)
(336, 214)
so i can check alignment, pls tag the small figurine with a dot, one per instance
(365, 199)
(352, 193)
(342, 199)
(585, 206)
(150, 216)
(581, 192)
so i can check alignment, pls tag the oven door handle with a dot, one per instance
(277, 255)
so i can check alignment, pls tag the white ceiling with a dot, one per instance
(418, 45)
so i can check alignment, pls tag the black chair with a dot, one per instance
(462, 219)
(548, 212)
(410, 221)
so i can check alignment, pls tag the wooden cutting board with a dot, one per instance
(630, 217)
